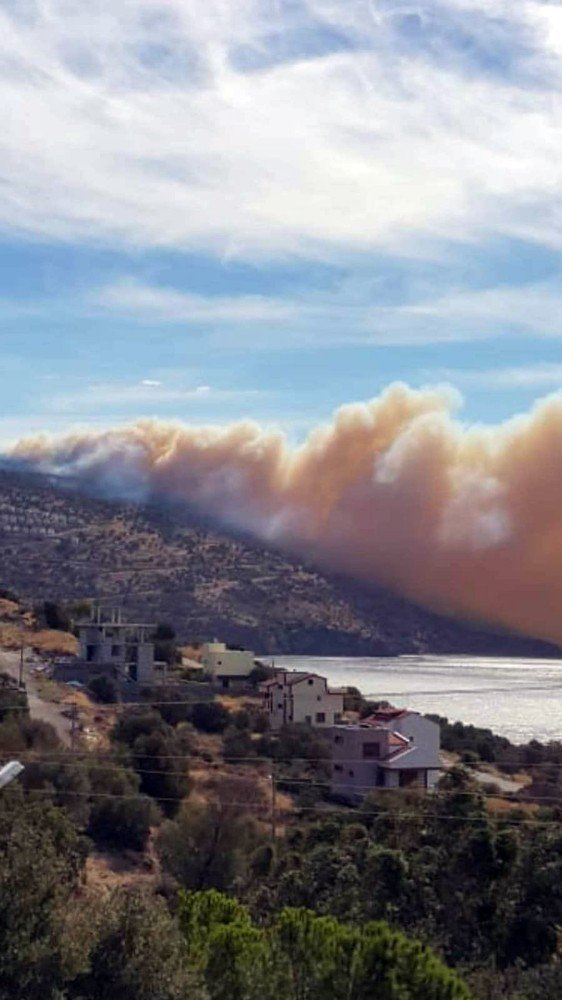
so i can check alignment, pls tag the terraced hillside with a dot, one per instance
(161, 563)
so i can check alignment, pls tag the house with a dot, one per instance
(123, 650)
(225, 665)
(394, 748)
(293, 696)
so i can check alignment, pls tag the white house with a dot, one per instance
(394, 748)
(295, 696)
(224, 664)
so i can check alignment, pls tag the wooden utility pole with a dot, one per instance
(73, 721)
(273, 807)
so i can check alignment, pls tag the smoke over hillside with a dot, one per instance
(467, 521)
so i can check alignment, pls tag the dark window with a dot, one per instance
(90, 653)
(308, 719)
(407, 778)
(380, 777)
(279, 704)
(115, 650)
(320, 717)
(219, 663)
(310, 681)
(371, 750)
(338, 767)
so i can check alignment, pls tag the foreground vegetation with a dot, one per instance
(410, 897)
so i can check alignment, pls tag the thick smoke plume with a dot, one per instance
(465, 520)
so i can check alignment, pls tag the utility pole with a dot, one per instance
(73, 720)
(273, 806)
(21, 664)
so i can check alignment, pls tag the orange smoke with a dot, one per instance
(465, 520)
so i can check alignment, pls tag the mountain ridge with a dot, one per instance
(161, 561)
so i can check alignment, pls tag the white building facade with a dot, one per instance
(394, 748)
(224, 664)
(295, 696)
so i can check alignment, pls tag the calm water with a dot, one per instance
(520, 699)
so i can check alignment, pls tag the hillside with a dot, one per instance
(161, 563)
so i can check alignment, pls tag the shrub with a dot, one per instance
(104, 689)
(123, 823)
(210, 717)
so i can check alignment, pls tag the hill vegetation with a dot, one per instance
(160, 563)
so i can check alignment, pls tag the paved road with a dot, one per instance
(39, 709)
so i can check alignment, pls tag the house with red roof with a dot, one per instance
(393, 748)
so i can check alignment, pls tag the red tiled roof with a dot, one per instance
(386, 715)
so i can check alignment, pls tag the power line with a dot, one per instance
(319, 809)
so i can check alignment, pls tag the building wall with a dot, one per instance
(218, 661)
(306, 702)
(353, 775)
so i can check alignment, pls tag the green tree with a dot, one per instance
(137, 954)
(41, 863)
(210, 844)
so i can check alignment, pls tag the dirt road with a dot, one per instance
(47, 711)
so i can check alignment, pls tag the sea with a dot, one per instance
(517, 698)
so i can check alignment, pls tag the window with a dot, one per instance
(310, 680)
(308, 719)
(90, 653)
(318, 697)
(338, 767)
(320, 717)
(371, 750)
(115, 650)
(337, 717)
(279, 704)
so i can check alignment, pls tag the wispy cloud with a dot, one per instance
(147, 393)
(532, 376)
(169, 305)
(281, 129)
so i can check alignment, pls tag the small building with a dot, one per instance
(120, 649)
(394, 748)
(224, 665)
(296, 696)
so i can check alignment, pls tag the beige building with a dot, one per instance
(394, 748)
(224, 664)
(295, 696)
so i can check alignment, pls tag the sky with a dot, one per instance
(220, 209)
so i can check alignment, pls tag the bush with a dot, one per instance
(104, 689)
(238, 745)
(123, 823)
(137, 722)
(210, 717)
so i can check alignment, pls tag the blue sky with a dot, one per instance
(218, 209)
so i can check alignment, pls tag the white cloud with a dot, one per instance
(535, 308)
(145, 124)
(532, 376)
(166, 304)
(120, 395)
